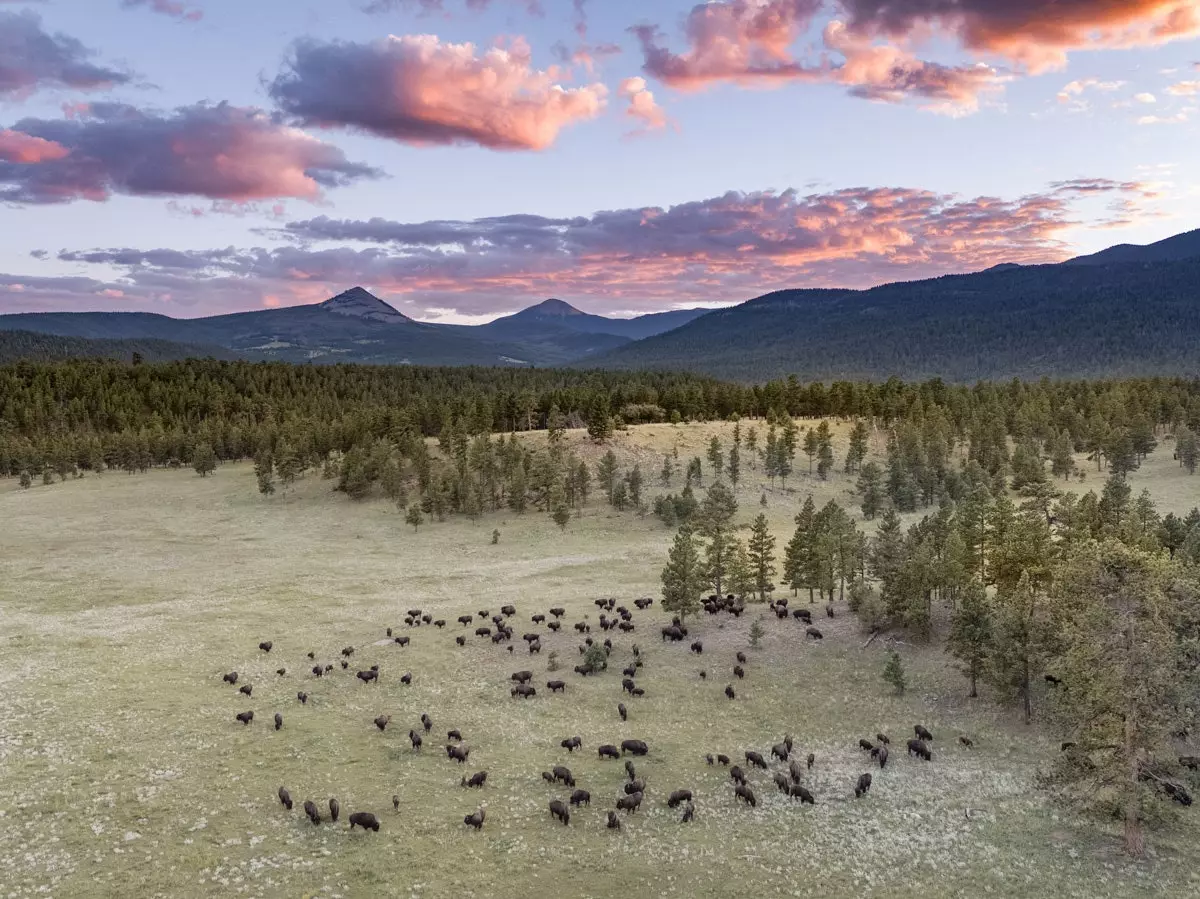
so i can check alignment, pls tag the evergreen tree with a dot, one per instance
(739, 579)
(799, 555)
(771, 454)
(414, 517)
(683, 578)
(1124, 618)
(620, 496)
(760, 550)
(204, 460)
(667, 472)
(47, 476)
(717, 510)
(1171, 533)
(752, 444)
(786, 448)
(1062, 456)
(716, 561)
(556, 432)
(716, 456)
(1187, 448)
(695, 473)
(812, 445)
(582, 483)
(606, 475)
(635, 482)
(560, 512)
(599, 418)
(735, 466)
(264, 472)
(893, 673)
(870, 485)
(756, 632)
(287, 464)
(518, 490)
(1022, 640)
(26, 479)
(824, 450)
(857, 452)
(970, 634)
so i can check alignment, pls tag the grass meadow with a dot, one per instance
(123, 599)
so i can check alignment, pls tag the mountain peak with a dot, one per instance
(554, 307)
(361, 303)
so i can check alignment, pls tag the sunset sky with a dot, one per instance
(466, 158)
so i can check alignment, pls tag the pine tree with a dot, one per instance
(204, 460)
(606, 475)
(752, 444)
(1062, 456)
(824, 450)
(264, 472)
(760, 550)
(668, 470)
(734, 466)
(1171, 533)
(414, 517)
(1123, 617)
(739, 579)
(857, 451)
(756, 632)
(893, 673)
(799, 555)
(26, 479)
(716, 561)
(599, 418)
(683, 578)
(716, 456)
(812, 445)
(1187, 448)
(556, 432)
(870, 485)
(582, 482)
(518, 490)
(771, 454)
(287, 464)
(1022, 638)
(560, 512)
(970, 634)
(717, 510)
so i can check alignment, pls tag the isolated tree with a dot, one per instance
(695, 473)
(893, 673)
(560, 513)
(761, 552)
(970, 635)
(26, 479)
(870, 485)
(734, 466)
(204, 460)
(595, 659)
(756, 632)
(287, 464)
(581, 482)
(824, 450)
(414, 517)
(264, 472)
(1124, 618)
(752, 444)
(665, 475)
(1062, 456)
(47, 476)
(717, 510)
(683, 578)
(606, 475)
(496, 538)
(812, 445)
(857, 451)
(716, 456)
(599, 418)
(635, 481)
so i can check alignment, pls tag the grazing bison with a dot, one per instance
(571, 743)
(813, 633)
(317, 671)
(621, 710)
(922, 733)
(538, 619)
(635, 786)
(688, 814)
(781, 781)
(866, 745)
(729, 691)
(454, 735)
(246, 689)
(627, 685)
(637, 747)
(244, 717)
(614, 823)
(334, 810)
(310, 809)
(918, 747)
(458, 753)
(483, 632)
(563, 774)
(395, 803)
(281, 671)
(559, 810)
(345, 664)
(803, 794)
(348, 651)
(882, 755)
(278, 721)
(415, 739)
(744, 793)
(795, 770)
(535, 648)
(608, 751)
(406, 678)
(285, 798)
(548, 777)
(382, 721)
(461, 641)
(230, 678)
(475, 780)
(581, 797)
(367, 676)
(630, 803)
(554, 626)
(365, 820)
(697, 647)
(441, 622)
(722, 759)
(556, 686)
(523, 690)
(475, 820)
(883, 738)
(811, 758)
(464, 620)
(265, 646)
(679, 797)
(303, 697)
(737, 775)
(863, 786)
(630, 772)
(672, 633)
(739, 672)
(756, 759)
(558, 613)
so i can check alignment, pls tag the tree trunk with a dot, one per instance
(974, 676)
(1025, 694)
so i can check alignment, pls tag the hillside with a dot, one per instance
(18, 345)
(1173, 249)
(1024, 321)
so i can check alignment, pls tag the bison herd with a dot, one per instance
(788, 781)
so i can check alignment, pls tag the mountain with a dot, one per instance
(357, 326)
(1069, 320)
(1173, 249)
(16, 345)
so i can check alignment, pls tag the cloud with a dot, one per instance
(33, 59)
(1184, 89)
(1146, 98)
(438, 7)
(642, 105)
(22, 149)
(172, 8)
(1035, 34)
(748, 42)
(418, 90)
(1078, 87)
(1178, 118)
(716, 250)
(218, 152)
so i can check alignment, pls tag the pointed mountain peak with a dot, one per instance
(554, 307)
(360, 303)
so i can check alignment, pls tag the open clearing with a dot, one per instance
(123, 772)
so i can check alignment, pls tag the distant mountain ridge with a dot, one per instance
(1173, 249)
(357, 326)
(15, 345)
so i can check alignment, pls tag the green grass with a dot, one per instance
(123, 772)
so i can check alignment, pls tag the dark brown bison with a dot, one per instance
(966, 741)
(678, 797)
(688, 814)
(635, 786)
(571, 743)
(402, 641)
(365, 820)
(367, 676)
(781, 781)
(310, 809)
(581, 797)
(475, 780)
(882, 755)
(521, 677)
(630, 772)
(281, 671)
(334, 810)
(556, 686)
(246, 689)
(303, 697)
(265, 646)
(922, 733)
(780, 751)
(523, 690)
(630, 803)
(866, 745)
(756, 759)
(475, 820)
(804, 795)
(559, 810)
(795, 770)
(883, 738)
(461, 641)
(744, 793)
(608, 751)
(382, 721)
(453, 735)
(415, 739)
(244, 717)
(563, 774)
(622, 711)
(636, 747)
(426, 722)
(737, 774)
(285, 798)
(813, 633)
(918, 748)
(278, 721)
(230, 678)
(697, 647)
(729, 692)
(722, 759)
(739, 672)
(458, 753)
(863, 786)
(811, 758)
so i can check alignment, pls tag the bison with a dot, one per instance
(285, 798)
(863, 786)
(614, 823)
(556, 686)
(756, 759)
(581, 797)
(608, 751)
(303, 697)
(278, 721)
(729, 692)
(571, 743)
(678, 797)
(630, 803)
(230, 678)
(244, 717)
(475, 780)
(310, 809)
(382, 721)
(637, 747)
(918, 748)
(804, 795)
(334, 810)
(475, 819)
(563, 774)
(744, 793)
(365, 820)
(265, 646)
(922, 733)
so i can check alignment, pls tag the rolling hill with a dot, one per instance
(16, 345)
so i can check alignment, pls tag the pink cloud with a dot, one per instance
(32, 59)
(418, 90)
(714, 250)
(219, 152)
(22, 149)
(642, 105)
(172, 8)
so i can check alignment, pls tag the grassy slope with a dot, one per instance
(122, 771)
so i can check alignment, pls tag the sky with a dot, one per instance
(463, 159)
